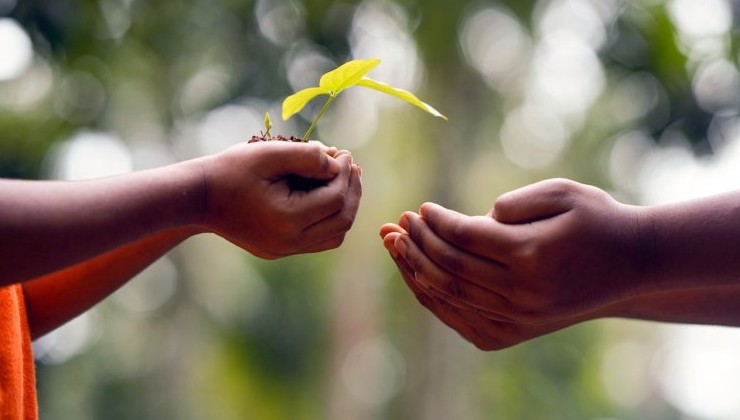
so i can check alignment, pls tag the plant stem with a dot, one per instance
(315, 120)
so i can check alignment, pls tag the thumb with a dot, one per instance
(307, 160)
(534, 202)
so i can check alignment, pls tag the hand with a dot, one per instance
(547, 256)
(485, 332)
(250, 202)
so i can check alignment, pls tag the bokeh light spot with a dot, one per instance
(495, 44)
(90, 154)
(373, 372)
(16, 51)
(533, 137)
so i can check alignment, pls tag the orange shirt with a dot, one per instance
(17, 375)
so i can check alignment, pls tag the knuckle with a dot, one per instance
(337, 200)
(346, 221)
(563, 185)
(563, 189)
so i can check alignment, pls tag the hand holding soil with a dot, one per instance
(253, 204)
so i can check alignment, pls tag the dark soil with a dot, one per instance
(279, 137)
(295, 182)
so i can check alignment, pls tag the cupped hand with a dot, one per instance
(481, 328)
(250, 202)
(545, 257)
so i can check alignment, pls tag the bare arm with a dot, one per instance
(241, 194)
(48, 225)
(719, 305)
(71, 244)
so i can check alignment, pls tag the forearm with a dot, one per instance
(46, 226)
(711, 306)
(56, 298)
(693, 244)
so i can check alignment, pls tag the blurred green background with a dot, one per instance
(640, 98)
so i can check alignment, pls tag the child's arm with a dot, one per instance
(56, 298)
(241, 194)
(48, 225)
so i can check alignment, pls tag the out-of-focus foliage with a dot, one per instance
(602, 91)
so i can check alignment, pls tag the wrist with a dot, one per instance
(188, 197)
(647, 254)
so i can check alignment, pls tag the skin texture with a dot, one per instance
(557, 253)
(71, 244)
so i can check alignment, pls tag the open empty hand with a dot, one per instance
(545, 257)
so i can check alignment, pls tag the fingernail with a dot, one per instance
(359, 170)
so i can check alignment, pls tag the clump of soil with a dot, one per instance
(279, 137)
(295, 182)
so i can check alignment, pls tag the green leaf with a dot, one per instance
(346, 75)
(401, 94)
(295, 102)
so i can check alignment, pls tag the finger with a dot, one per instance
(355, 188)
(389, 240)
(342, 152)
(454, 290)
(323, 202)
(389, 243)
(444, 312)
(388, 228)
(486, 273)
(537, 201)
(341, 221)
(329, 150)
(478, 235)
(308, 160)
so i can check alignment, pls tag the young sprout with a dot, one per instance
(334, 82)
(268, 125)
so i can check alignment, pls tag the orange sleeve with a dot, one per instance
(17, 375)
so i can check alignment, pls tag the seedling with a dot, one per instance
(332, 84)
(268, 125)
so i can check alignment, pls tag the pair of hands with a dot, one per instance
(547, 256)
(249, 200)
